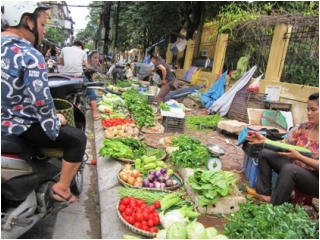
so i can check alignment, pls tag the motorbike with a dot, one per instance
(27, 175)
(51, 64)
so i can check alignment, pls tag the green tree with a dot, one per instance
(55, 35)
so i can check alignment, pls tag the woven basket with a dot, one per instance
(66, 109)
(125, 160)
(133, 228)
(174, 176)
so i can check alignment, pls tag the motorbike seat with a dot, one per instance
(11, 143)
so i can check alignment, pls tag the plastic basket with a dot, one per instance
(172, 124)
(251, 170)
(66, 109)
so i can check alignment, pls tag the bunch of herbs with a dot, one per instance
(194, 121)
(266, 221)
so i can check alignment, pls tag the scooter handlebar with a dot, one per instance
(94, 84)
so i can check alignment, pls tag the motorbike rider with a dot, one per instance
(27, 107)
(72, 59)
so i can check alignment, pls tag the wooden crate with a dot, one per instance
(242, 101)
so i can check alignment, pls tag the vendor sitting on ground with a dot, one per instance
(116, 72)
(295, 170)
(128, 74)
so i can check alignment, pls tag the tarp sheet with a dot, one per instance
(223, 104)
(215, 92)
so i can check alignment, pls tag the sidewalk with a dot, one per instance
(107, 169)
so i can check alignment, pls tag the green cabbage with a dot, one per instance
(172, 217)
(177, 231)
(162, 234)
(196, 230)
(211, 232)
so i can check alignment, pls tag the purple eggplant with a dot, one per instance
(175, 182)
(157, 184)
(161, 179)
(169, 183)
(151, 177)
(166, 177)
(152, 172)
(145, 183)
(157, 173)
(151, 185)
(163, 170)
(162, 185)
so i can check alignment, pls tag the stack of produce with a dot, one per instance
(159, 179)
(131, 176)
(137, 104)
(145, 163)
(117, 127)
(111, 103)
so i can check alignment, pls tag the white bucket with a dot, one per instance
(153, 90)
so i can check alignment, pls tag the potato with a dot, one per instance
(119, 127)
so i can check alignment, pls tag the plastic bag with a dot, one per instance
(254, 86)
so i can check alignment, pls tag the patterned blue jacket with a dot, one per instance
(25, 94)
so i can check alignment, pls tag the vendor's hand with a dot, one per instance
(63, 120)
(292, 154)
(256, 138)
(164, 82)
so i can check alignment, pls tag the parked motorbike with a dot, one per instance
(51, 64)
(27, 176)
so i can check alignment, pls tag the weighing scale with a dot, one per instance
(215, 163)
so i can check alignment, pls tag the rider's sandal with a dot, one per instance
(56, 196)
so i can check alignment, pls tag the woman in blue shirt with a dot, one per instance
(27, 108)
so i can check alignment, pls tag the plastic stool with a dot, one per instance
(301, 198)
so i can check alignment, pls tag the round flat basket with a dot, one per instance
(173, 177)
(125, 160)
(133, 228)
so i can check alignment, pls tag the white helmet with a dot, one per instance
(12, 13)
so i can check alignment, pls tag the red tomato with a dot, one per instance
(152, 209)
(121, 207)
(144, 223)
(93, 161)
(139, 202)
(157, 204)
(128, 211)
(143, 205)
(145, 228)
(154, 229)
(125, 201)
(137, 225)
(131, 219)
(156, 220)
(150, 223)
(145, 215)
(139, 217)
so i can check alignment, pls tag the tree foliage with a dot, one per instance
(55, 35)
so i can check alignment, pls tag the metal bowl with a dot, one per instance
(216, 149)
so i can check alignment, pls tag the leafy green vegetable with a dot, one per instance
(137, 104)
(211, 185)
(164, 106)
(193, 122)
(115, 149)
(190, 153)
(177, 230)
(284, 221)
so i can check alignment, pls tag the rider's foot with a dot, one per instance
(62, 195)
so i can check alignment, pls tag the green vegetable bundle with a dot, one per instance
(115, 149)
(211, 185)
(266, 221)
(193, 122)
(137, 104)
(190, 153)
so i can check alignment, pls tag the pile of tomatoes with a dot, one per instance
(112, 122)
(137, 213)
